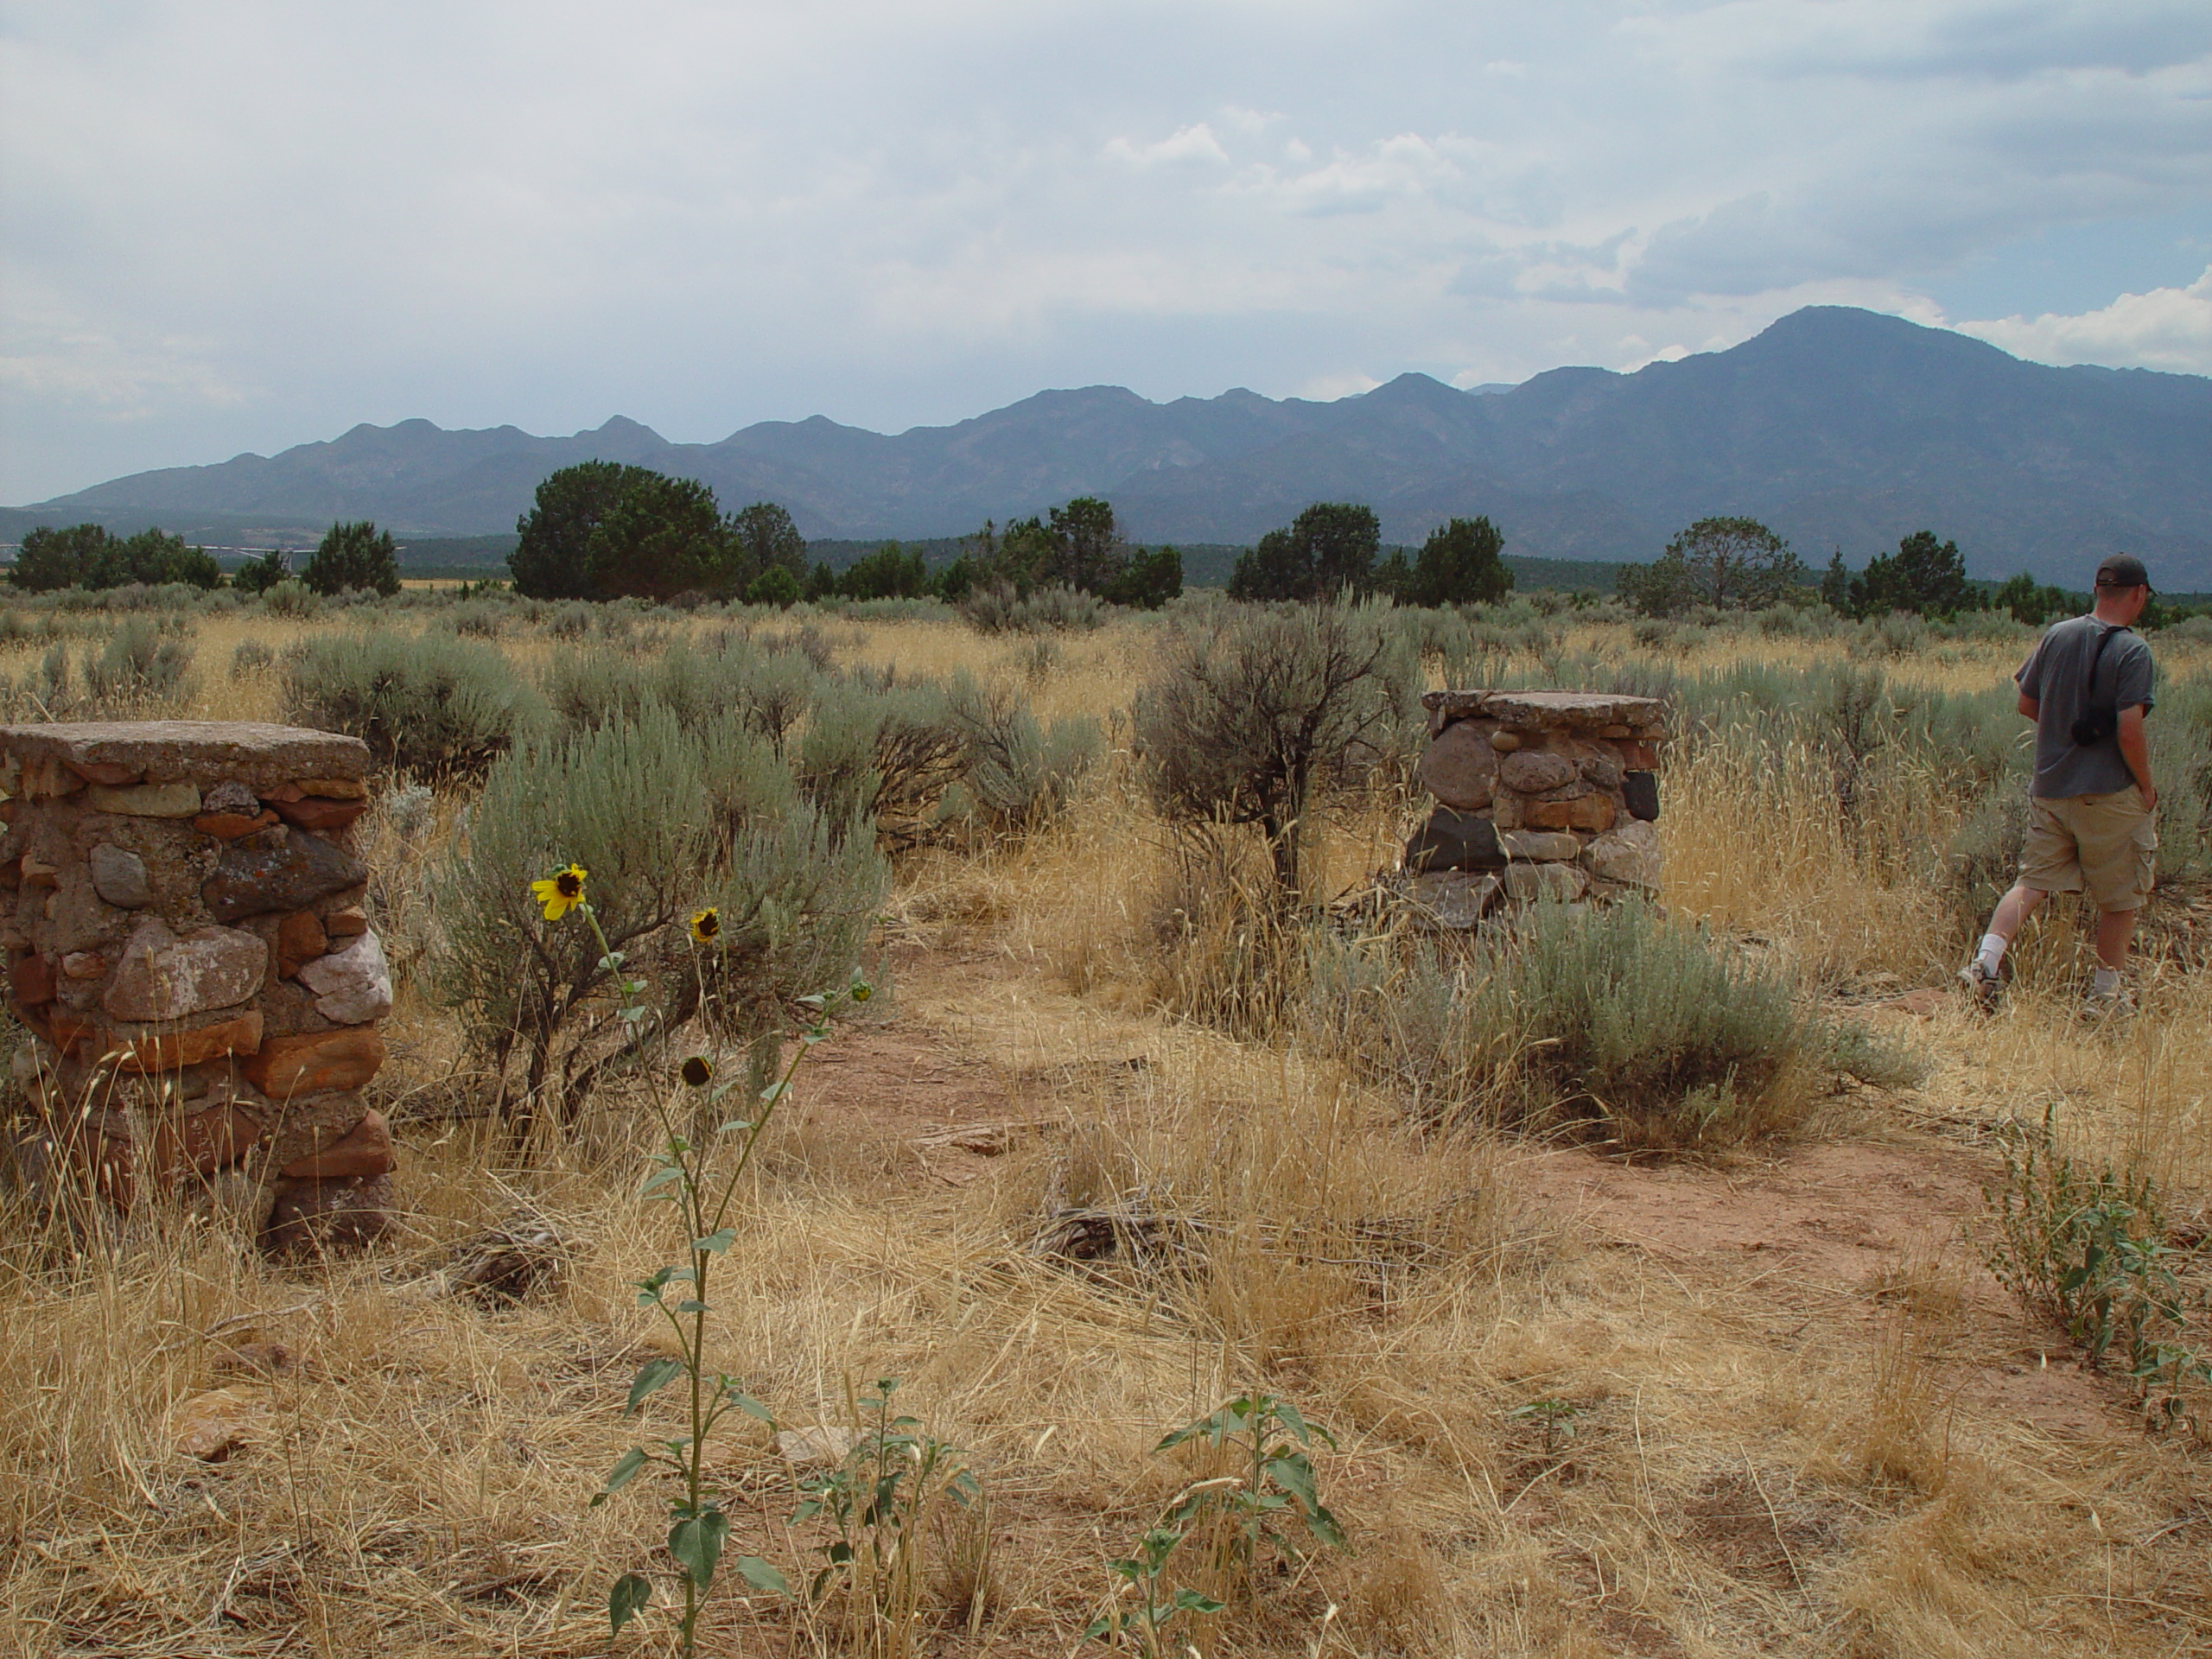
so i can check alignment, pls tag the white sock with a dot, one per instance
(1991, 954)
(2107, 980)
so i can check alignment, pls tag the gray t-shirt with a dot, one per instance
(2054, 677)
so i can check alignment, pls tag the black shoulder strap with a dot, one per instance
(2089, 680)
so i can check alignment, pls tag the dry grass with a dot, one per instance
(1759, 1462)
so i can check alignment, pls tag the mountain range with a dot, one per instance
(1840, 428)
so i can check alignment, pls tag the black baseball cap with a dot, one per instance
(2123, 570)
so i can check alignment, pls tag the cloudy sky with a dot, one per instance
(228, 224)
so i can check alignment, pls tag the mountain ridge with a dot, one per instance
(1841, 428)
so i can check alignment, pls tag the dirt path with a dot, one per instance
(1817, 1240)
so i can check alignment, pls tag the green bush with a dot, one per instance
(426, 705)
(666, 823)
(1665, 1038)
(882, 749)
(138, 665)
(290, 598)
(998, 607)
(1018, 773)
(87, 556)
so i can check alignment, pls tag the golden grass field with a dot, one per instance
(1789, 1412)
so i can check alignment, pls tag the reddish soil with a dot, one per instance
(1824, 1231)
(1827, 1229)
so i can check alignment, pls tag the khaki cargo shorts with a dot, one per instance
(2105, 845)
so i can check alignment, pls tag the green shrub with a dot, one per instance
(883, 749)
(426, 705)
(1018, 773)
(997, 607)
(1664, 1037)
(138, 665)
(290, 598)
(667, 823)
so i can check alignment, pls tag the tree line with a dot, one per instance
(351, 556)
(1738, 564)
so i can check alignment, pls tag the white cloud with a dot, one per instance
(2167, 329)
(1195, 143)
(246, 223)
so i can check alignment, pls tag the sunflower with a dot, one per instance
(861, 991)
(561, 892)
(698, 1071)
(707, 926)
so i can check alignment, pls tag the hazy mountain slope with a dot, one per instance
(1840, 427)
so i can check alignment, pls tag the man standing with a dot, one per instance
(2090, 830)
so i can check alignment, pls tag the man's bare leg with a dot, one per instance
(2114, 928)
(2012, 913)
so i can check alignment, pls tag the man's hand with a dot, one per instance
(2135, 749)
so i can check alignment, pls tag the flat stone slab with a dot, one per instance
(1581, 711)
(203, 752)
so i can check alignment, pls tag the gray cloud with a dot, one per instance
(240, 224)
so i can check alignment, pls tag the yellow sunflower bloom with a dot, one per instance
(560, 893)
(707, 926)
(698, 1071)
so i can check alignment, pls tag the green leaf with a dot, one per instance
(655, 1374)
(1190, 1601)
(697, 1541)
(660, 1178)
(624, 1471)
(733, 1126)
(691, 1305)
(628, 1599)
(761, 1576)
(718, 1240)
(746, 1403)
(773, 1092)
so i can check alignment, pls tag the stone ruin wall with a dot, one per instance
(1540, 794)
(182, 909)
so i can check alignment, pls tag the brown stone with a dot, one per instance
(166, 1050)
(84, 964)
(347, 924)
(99, 1163)
(363, 1150)
(282, 868)
(1544, 846)
(212, 1138)
(1591, 811)
(229, 826)
(1527, 882)
(112, 773)
(1460, 768)
(37, 872)
(284, 792)
(330, 1214)
(1613, 731)
(31, 978)
(1602, 767)
(43, 777)
(1577, 711)
(162, 976)
(319, 815)
(1639, 756)
(1505, 742)
(336, 789)
(64, 1028)
(316, 1063)
(8, 811)
(184, 751)
(146, 800)
(1534, 771)
(1454, 899)
(213, 1426)
(306, 1124)
(1628, 854)
(300, 940)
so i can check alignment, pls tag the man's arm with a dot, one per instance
(2135, 749)
(2030, 706)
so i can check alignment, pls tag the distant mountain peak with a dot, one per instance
(1838, 426)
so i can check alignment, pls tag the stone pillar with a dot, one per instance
(1540, 794)
(187, 946)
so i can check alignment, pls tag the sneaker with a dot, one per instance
(2104, 1005)
(1982, 985)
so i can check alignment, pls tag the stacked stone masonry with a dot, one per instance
(187, 949)
(1540, 794)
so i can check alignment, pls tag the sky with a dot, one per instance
(238, 225)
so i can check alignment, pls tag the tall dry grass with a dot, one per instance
(1755, 1465)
